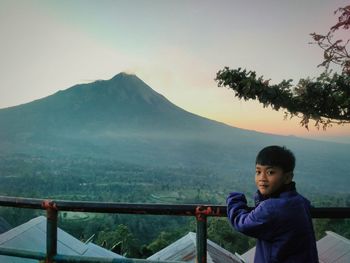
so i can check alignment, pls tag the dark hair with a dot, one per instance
(276, 156)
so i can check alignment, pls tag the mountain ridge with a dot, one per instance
(126, 120)
(122, 102)
(118, 103)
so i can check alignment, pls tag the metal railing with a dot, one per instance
(201, 212)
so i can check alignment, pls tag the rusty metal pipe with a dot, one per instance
(150, 209)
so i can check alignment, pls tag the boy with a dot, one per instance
(281, 219)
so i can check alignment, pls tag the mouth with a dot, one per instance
(263, 186)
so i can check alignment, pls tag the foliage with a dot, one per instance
(164, 239)
(220, 232)
(339, 226)
(326, 99)
(335, 50)
(120, 240)
(140, 236)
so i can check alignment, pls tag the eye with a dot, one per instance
(257, 172)
(270, 172)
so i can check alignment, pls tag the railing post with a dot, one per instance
(51, 230)
(201, 235)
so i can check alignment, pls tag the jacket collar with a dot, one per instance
(286, 191)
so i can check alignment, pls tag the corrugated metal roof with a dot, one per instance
(32, 236)
(184, 249)
(333, 248)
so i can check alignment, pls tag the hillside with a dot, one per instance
(124, 119)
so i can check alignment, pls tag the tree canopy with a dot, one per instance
(325, 99)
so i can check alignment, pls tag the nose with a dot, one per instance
(263, 177)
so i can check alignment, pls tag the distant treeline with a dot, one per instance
(89, 179)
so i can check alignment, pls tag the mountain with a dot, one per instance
(102, 112)
(126, 120)
(120, 105)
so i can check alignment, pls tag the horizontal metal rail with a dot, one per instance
(148, 209)
(201, 212)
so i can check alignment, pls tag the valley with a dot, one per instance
(118, 140)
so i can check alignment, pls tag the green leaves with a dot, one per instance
(325, 100)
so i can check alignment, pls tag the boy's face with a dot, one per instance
(269, 179)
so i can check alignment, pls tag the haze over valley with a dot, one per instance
(125, 120)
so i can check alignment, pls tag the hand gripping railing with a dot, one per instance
(201, 212)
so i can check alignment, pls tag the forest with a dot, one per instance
(139, 236)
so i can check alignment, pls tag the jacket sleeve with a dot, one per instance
(258, 223)
(258, 198)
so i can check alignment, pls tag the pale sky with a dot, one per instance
(176, 47)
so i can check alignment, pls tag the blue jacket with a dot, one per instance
(282, 225)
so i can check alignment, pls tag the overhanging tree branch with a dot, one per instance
(326, 99)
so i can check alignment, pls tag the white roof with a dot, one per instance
(32, 236)
(332, 248)
(249, 255)
(184, 249)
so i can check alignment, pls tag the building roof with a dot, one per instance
(32, 236)
(332, 248)
(184, 249)
(249, 255)
(4, 225)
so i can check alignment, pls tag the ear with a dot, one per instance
(288, 177)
